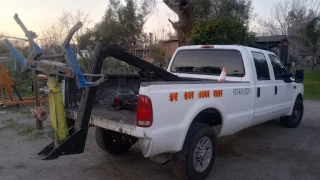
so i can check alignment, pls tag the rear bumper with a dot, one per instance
(151, 143)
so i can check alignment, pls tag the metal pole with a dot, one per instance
(37, 100)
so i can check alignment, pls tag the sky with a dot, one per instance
(37, 13)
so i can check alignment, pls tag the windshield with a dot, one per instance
(209, 62)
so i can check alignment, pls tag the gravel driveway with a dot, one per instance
(267, 151)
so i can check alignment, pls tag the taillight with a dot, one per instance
(144, 111)
(116, 101)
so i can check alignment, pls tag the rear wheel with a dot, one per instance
(197, 156)
(294, 120)
(113, 142)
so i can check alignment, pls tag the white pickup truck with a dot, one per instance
(181, 120)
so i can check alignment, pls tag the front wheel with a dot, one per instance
(197, 156)
(294, 120)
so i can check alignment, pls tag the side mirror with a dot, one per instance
(299, 77)
(287, 77)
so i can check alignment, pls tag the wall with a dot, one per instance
(169, 47)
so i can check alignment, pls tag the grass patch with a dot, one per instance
(312, 85)
(37, 135)
(311, 82)
(27, 130)
(49, 134)
(25, 112)
(10, 124)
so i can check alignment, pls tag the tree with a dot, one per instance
(240, 10)
(185, 12)
(56, 32)
(86, 40)
(287, 18)
(3, 48)
(311, 35)
(282, 15)
(226, 30)
(123, 23)
(190, 11)
(203, 9)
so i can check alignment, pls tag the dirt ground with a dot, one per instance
(267, 151)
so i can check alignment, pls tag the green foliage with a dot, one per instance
(203, 8)
(311, 33)
(122, 24)
(220, 31)
(222, 22)
(115, 66)
(158, 55)
(21, 78)
(3, 48)
(236, 9)
(85, 40)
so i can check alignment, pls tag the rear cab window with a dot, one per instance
(208, 62)
(261, 65)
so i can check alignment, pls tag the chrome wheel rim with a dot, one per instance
(202, 154)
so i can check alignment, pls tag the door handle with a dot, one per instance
(275, 90)
(258, 92)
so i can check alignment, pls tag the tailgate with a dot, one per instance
(120, 121)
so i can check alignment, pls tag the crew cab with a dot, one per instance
(181, 120)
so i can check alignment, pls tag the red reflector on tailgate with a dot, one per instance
(144, 111)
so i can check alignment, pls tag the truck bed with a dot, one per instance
(104, 116)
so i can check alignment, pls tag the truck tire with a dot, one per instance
(294, 120)
(111, 141)
(197, 156)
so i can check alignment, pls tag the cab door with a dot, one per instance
(264, 88)
(282, 90)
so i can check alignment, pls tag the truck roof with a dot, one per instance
(236, 47)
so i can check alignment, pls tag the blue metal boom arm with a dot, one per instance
(71, 69)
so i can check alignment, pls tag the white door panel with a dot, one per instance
(265, 90)
(282, 90)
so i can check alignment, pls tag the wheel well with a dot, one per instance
(210, 116)
(300, 97)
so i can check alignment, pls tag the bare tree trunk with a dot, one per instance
(184, 10)
(314, 59)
